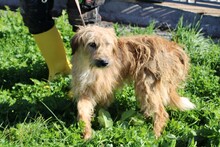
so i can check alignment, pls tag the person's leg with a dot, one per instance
(37, 17)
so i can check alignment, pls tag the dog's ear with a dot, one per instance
(74, 43)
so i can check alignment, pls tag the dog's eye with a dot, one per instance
(92, 44)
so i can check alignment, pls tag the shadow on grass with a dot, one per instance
(24, 111)
(12, 75)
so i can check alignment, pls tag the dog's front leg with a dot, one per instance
(85, 108)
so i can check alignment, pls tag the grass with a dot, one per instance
(34, 112)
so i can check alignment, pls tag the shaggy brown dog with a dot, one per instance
(102, 62)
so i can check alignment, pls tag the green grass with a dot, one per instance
(34, 112)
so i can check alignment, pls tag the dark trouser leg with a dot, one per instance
(89, 16)
(37, 15)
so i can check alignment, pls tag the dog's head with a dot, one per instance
(96, 43)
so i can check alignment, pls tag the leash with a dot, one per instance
(80, 13)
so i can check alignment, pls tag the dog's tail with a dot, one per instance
(183, 103)
(174, 100)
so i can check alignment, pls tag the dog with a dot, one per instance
(102, 63)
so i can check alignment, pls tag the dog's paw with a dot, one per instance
(87, 133)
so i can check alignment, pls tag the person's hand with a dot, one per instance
(88, 5)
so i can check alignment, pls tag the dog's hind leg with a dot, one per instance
(85, 108)
(151, 104)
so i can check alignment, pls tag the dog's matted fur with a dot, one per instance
(102, 62)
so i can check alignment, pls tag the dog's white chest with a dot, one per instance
(86, 77)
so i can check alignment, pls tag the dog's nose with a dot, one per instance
(101, 63)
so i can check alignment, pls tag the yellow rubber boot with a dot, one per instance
(53, 51)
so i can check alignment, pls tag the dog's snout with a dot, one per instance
(101, 63)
